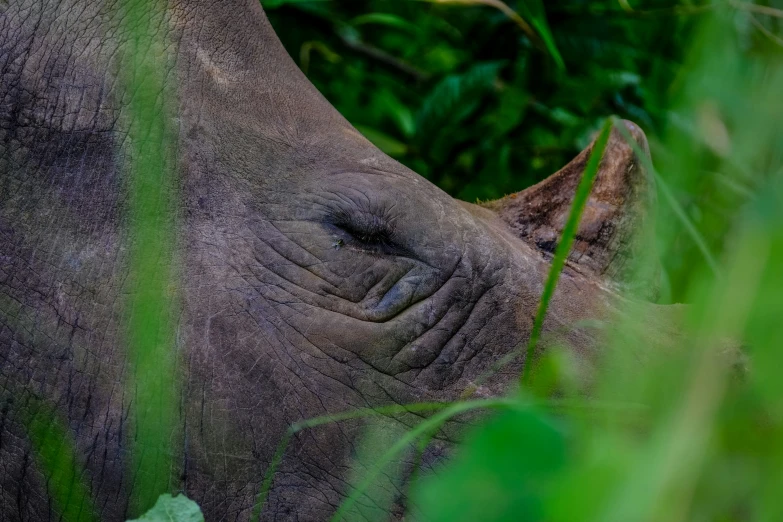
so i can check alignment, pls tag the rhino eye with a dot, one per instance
(370, 234)
(379, 237)
(367, 231)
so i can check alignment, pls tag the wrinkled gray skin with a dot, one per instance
(317, 274)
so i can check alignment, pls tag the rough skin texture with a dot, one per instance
(614, 232)
(317, 274)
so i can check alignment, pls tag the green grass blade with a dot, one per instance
(266, 485)
(537, 16)
(687, 223)
(566, 242)
(53, 445)
(152, 217)
(56, 453)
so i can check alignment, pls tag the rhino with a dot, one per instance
(313, 274)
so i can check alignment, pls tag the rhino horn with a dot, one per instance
(614, 238)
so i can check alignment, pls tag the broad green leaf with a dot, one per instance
(172, 509)
(512, 105)
(455, 96)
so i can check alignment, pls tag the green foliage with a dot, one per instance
(172, 509)
(503, 472)
(492, 109)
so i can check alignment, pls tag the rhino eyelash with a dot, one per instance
(370, 234)
(377, 238)
(368, 241)
(358, 222)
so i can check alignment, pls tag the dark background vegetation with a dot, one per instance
(464, 97)
(461, 93)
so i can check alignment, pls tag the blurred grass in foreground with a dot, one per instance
(152, 302)
(152, 307)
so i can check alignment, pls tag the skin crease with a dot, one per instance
(317, 274)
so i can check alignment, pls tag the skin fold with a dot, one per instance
(314, 274)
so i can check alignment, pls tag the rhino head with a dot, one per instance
(314, 274)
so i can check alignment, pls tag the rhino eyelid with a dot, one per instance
(366, 232)
(374, 237)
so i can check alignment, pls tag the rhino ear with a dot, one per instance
(614, 239)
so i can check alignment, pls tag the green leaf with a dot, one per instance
(502, 472)
(534, 9)
(389, 20)
(450, 99)
(172, 509)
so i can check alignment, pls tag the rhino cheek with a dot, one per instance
(401, 317)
